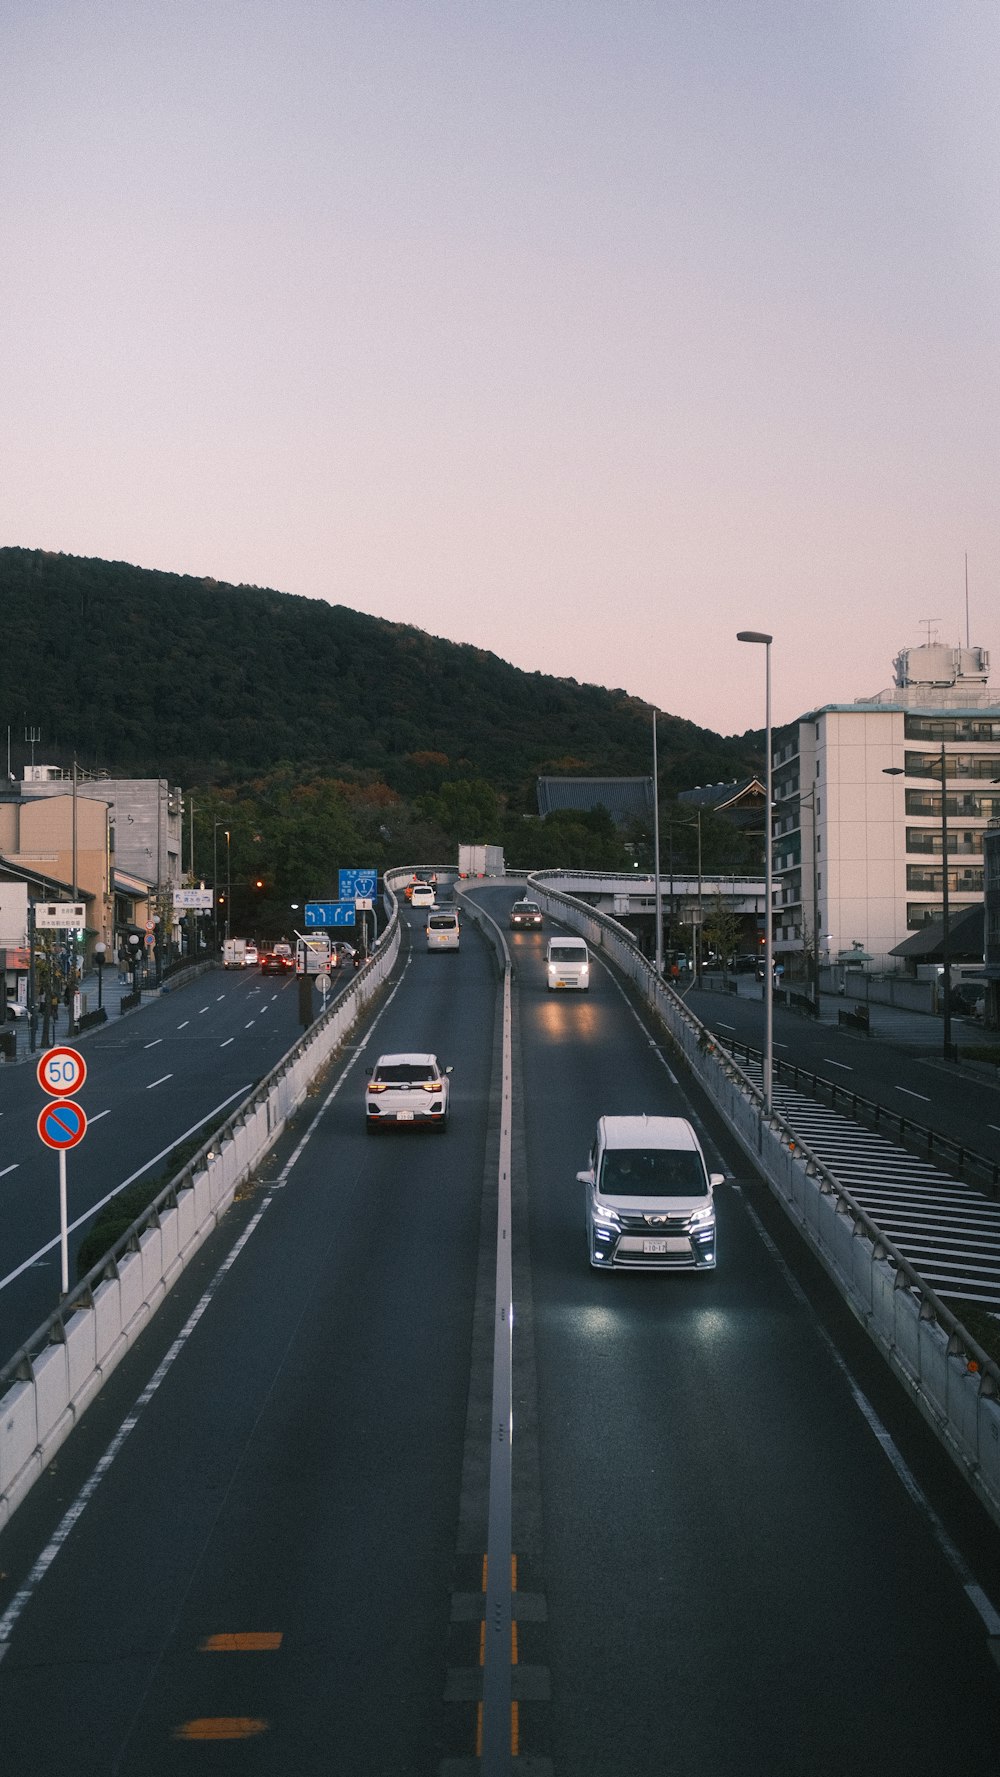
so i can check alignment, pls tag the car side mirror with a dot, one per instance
(585, 1178)
(451, 1069)
(716, 1178)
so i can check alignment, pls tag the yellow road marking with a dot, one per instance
(221, 1727)
(251, 1641)
(515, 1729)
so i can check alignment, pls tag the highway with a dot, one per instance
(737, 1549)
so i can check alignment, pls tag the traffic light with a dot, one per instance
(258, 882)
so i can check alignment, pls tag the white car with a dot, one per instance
(422, 895)
(250, 957)
(649, 1197)
(407, 1088)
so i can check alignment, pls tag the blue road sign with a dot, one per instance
(330, 913)
(62, 1124)
(361, 884)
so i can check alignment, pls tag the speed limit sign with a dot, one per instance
(61, 1072)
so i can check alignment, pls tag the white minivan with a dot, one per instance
(650, 1198)
(442, 930)
(567, 963)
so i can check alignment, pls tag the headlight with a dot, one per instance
(702, 1218)
(607, 1218)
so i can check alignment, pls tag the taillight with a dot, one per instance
(431, 1085)
(377, 1085)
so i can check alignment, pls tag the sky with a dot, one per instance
(588, 332)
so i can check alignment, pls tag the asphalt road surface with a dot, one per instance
(736, 1548)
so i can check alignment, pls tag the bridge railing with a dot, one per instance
(953, 1381)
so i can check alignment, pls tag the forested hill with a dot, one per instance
(141, 672)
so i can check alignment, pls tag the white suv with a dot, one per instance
(650, 1204)
(406, 1089)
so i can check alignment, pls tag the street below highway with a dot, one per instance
(154, 1079)
(736, 1547)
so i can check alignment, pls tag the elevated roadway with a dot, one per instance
(735, 1547)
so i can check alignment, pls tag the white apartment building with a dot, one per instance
(858, 854)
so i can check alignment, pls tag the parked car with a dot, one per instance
(407, 1088)
(525, 914)
(649, 1196)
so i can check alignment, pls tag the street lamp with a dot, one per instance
(100, 953)
(810, 798)
(656, 862)
(898, 771)
(756, 635)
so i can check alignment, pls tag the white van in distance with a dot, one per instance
(567, 963)
(442, 929)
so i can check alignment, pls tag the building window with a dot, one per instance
(962, 880)
(975, 765)
(950, 728)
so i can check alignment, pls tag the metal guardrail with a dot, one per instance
(671, 1007)
(919, 1136)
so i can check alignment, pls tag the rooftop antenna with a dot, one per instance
(32, 736)
(928, 624)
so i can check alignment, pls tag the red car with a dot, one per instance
(278, 961)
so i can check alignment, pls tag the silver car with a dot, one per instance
(410, 1089)
(649, 1197)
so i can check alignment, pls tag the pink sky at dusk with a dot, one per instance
(586, 333)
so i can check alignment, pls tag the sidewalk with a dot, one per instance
(911, 1030)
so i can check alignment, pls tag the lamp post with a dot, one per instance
(658, 911)
(756, 635)
(215, 882)
(100, 952)
(898, 771)
(810, 798)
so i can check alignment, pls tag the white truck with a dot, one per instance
(234, 953)
(480, 860)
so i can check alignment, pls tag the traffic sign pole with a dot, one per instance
(63, 1222)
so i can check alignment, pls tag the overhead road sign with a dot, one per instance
(62, 1125)
(201, 898)
(330, 913)
(61, 1071)
(361, 885)
(61, 916)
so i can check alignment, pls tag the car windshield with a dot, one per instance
(568, 953)
(652, 1172)
(405, 1073)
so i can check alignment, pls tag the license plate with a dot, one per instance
(654, 1246)
(404, 1116)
